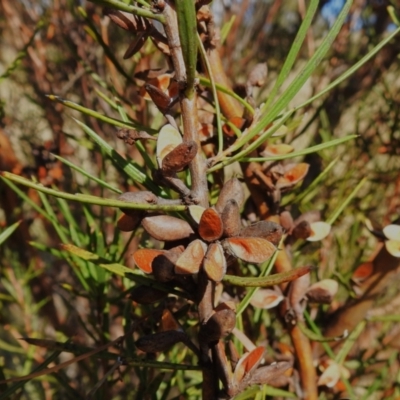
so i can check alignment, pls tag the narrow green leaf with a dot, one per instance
(85, 173)
(9, 231)
(293, 52)
(267, 281)
(120, 5)
(132, 171)
(344, 204)
(352, 69)
(301, 78)
(187, 25)
(100, 117)
(308, 150)
(87, 199)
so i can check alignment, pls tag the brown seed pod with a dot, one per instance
(322, 291)
(190, 260)
(232, 189)
(140, 197)
(179, 158)
(266, 298)
(128, 223)
(210, 226)
(231, 218)
(162, 100)
(286, 220)
(135, 45)
(169, 322)
(293, 174)
(214, 263)
(218, 325)
(258, 75)
(144, 258)
(168, 138)
(248, 363)
(250, 249)
(268, 230)
(167, 228)
(269, 374)
(163, 266)
(302, 230)
(125, 20)
(160, 341)
(146, 295)
(297, 292)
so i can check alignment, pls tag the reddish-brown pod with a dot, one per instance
(128, 223)
(250, 249)
(179, 158)
(232, 189)
(144, 258)
(163, 266)
(231, 219)
(248, 363)
(302, 230)
(167, 228)
(140, 197)
(145, 295)
(219, 325)
(214, 263)
(190, 260)
(210, 225)
(264, 229)
(160, 341)
(293, 174)
(160, 99)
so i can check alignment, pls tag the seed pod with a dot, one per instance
(297, 292)
(258, 75)
(286, 220)
(144, 258)
(141, 197)
(248, 363)
(322, 292)
(232, 189)
(268, 230)
(250, 249)
(190, 260)
(277, 149)
(125, 20)
(135, 45)
(128, 223)
(214, 262)
(319, 231)
(266, 298)
(162, 100)
(231, 219)
(302, 230)
(160, 341)
(293, 174)
(167, 228)
(163, 266)
(269, 374)
(210, 226)
(168, 322)
(218, 326)
(196, 212)
(168, 138)
(179, 158)
(146, 295)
